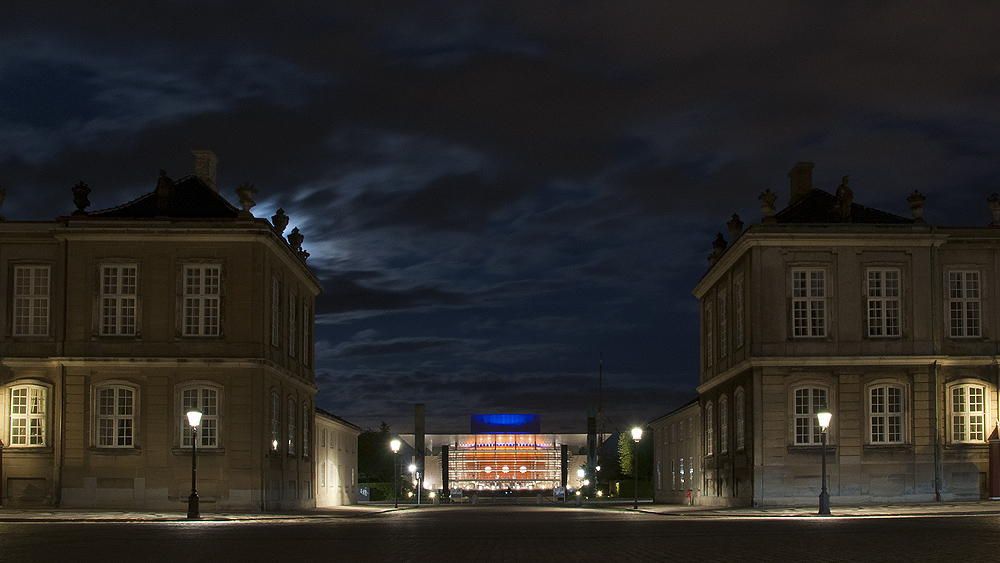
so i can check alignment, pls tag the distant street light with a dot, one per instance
(823, 417)
(413, 470)
(636, 436)
(394, 446)
(194, 419)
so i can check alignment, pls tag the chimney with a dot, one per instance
(204, 167)
(802, 181)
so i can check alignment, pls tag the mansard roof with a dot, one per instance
(819, 206)
(188, 198)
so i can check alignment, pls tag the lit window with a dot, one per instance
(275, 311)
(292, 413)
(883, 302)
(808, 303)
(723, 425)
(808, 402)
(206, 399)
(291, 324)
(968, 413)
(322, 474)
(740, 420)
(31, 301)
(118, 299)
(275, 421)
(738, 315)
(964, 304)
(709, 432)
(27, 416)
(115, 417)
(886, 414)
(202, 300)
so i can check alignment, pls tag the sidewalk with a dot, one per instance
(965, 508)
(102, 515)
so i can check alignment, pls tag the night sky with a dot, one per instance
(496, 194)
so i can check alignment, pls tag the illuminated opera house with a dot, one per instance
(502, 452)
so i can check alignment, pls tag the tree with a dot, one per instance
(375, 459)
(625, 448)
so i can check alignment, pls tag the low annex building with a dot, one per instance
(117, 321)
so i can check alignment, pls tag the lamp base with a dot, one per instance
(193, 507)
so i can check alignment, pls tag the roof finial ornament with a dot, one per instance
(735, 226)
(280, 221)
(916, 200)
(767, 205)
(246, 191)
(80, 193)
(718, 248)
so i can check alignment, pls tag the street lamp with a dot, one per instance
(394, 446)
(636, 436)
(823, 416)
(194, 419)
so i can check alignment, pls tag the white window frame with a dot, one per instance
(709, 335)
(115, 416)
(275, 422)
(202, 300)
(27, 407)
(305, 428)
(293, 413)
(965, 309)
(306, 332)
(809, 303)
(968, 407)
(723, 424)
(275, 311)
(738, 316)
(740, 401)
(31, 297)
(709, 432)
(723, 328)
(209, 399)
(886, 414)
(322, 474)
(292, 308)
(806, 402)
(119, 299)
(883, 294)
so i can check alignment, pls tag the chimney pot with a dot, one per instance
(801, 180)
(204, 167)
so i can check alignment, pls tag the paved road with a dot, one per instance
(504, 534)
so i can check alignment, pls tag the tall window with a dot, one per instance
(738, 314)
(709, 337)
(202, 285)
(306, 411)
(886, 414)
(292, 414)
(206, 399)
(808, 303)
(808, 402)
(964, 304)
(883, 302)
(27, 416)
(723, 425)
(275, 311)
(306, 337)
(118, 299)
(709, 430)
(31, 301)
(275, 421)
(723, 328)
(291, 324)
(740, 420)
(115, 417)
(968, 413)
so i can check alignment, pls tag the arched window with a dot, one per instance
(709, 430)
(292, 414)
(115, 416)
(28, 416)
(723, 424)
(208, 399)
(968, 412)
(885, 414)
(306, 418)
(808, 402)
(740, 399)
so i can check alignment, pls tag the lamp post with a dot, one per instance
(823, 417)
(194, 419)
(636, 436)
(394, 446)
(413, 470)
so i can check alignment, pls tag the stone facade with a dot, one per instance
(888, 321)
(117, 321)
